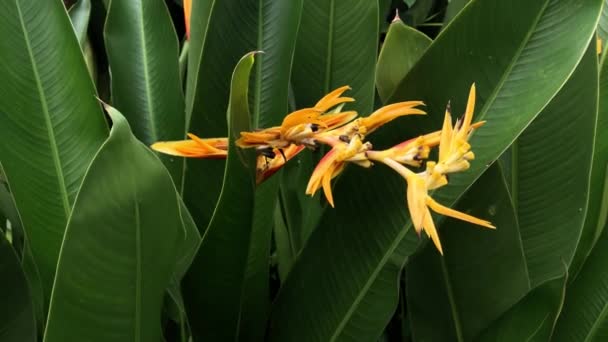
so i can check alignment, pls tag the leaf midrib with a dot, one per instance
(402, 234)
(47, 119)
(146, 70)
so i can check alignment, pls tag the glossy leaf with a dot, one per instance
(598, 204)
(602, 27)
(363, 242)
(551, 202)
(328, 54)
(269, 26)
(402, 48)
(50, 122)
(533, 318)
(216, 279)
(454, 297)
(454, 7)
(583, 317)
(143, 52)
(120, 246)
(80, 14)
(17, 322)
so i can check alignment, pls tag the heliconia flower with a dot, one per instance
(267, 166)
(419, 202)
(332, 164)
(195, 147)
(367, 125)
(187, 12)
(301, 126)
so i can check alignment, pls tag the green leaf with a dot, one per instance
(80, 14)
(598, 201)
(120, 246)
(602, 28)
(329, 55)
(143, 53)
(550, 201)
(454, 7)
(583, 317)
(362, 244)
(50, 122)
(454, 297)
(402, 48)
(17, 322)
(533, 318)
(216, 278)
(418, 13)
(267, 25)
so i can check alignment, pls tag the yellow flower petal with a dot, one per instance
(416, 195)
(429, 228)
(213, 148)
(443, 210)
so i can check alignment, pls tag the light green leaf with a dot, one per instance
(143, 52)
(50, 122)
(80, 14)
(402, 48)
(120, 246)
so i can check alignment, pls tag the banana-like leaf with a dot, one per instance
(328, 54)
(269, 26)
(454, 297)
(533, 318)
(585, 312)
(402, 48)
(364, 242)
(80, 14)
(50, 122)
(454, 7)
(602, 27)
(598, 204)
(142, 52)
(120, 247)
(216, 279)
(17, 322)
(551, 201)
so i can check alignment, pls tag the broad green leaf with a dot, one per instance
(267, 25)
(363, 242)
(551, 201)
(454, 7)
(8, 209)
(598, 203)
(50, 122)
(120, 246)
(17, 322)
(329, 54)
(418, 13)
(143, 52)
(453, 297)
(79, 15)
(585, 312)
(602, 28)
(533, 318)
(402, 48)
(216, 279)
